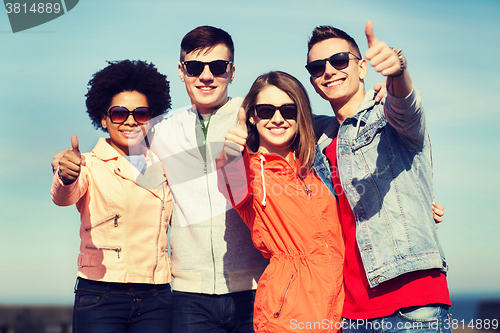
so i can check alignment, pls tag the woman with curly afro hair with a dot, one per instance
(125, 205)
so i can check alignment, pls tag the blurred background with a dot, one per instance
(452, 48)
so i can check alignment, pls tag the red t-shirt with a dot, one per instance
(362, 302)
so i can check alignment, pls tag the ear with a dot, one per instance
(251, 120)
(103, 121)
(231, 78)
(181, 71)
(363, 69)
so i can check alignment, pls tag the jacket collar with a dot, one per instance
(153, 176)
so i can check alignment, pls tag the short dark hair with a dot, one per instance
(206, 37)
(126, 75)
(324, 32)
(304, 142)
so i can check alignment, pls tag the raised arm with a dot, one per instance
(403, 108)
(387, 62)
(233, 165)
(68, 185)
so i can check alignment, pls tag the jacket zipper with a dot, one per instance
(116, 249)
(158, 236)
(115, 217)
(277, 314)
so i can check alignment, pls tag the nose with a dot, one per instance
(329, 69)
(206, 74)
(130, 120)
(277, 118)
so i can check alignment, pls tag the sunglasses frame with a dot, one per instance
(257, 107)
(110, 110)
(209, 63)
(331, 61)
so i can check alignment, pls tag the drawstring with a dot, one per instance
(262, 159)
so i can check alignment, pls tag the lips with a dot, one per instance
(277, 130)
(334, 83)
(206, 89)
(130, 134)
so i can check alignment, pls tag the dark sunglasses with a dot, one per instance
(217, 67)
(267, 111)
(119, 114)
(338, 61)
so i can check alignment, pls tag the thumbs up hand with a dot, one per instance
(380, 56)
(70, 162)
(236, 138)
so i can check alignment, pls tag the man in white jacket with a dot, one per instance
(214, 263)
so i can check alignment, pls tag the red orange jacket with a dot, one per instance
(295, 223)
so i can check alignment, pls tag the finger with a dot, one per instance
(83, 163)
(74, 145)
(370, 36)
(57, 157)
(242, 119)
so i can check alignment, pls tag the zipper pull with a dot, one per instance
(117, 250)
(116, 220)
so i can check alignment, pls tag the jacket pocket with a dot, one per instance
(283, 298)
(116, 249)
(113, 219)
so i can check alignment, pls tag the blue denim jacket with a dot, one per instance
(385, 168)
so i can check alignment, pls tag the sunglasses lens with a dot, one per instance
(118, 114)
(316, 68)
(194, 67)
(142, 115)
(339, 60)
(265, 111)
(289, 111)
(218, 67)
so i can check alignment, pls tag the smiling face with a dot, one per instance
(127, 136)
(207, 91)
(339, 87)
(276, 134)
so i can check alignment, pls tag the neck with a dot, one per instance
(283, 152)
(202, 109)
(347, 108)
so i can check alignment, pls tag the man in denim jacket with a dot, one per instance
(380, 158)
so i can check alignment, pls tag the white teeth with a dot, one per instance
(277, 130)
(334, 83)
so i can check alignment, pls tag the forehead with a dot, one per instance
(327, 48)
(218, 52)
(273, 95)
(129, 99)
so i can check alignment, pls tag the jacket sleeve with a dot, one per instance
(233, 178)
(67, 195)
(406, 115)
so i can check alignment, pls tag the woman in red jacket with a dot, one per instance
(292, 215)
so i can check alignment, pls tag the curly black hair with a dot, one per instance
(126, 75)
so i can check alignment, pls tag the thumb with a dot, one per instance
(242, 119)
(74, 145)
(370, 36)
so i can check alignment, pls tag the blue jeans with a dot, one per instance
(108, 307)
(433, 318)
(194, 313)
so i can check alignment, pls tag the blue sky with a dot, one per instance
(452, 49)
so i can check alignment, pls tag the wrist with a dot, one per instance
(65, 181)
(402, 62)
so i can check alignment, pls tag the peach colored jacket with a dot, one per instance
(124, 217)
(294, 221)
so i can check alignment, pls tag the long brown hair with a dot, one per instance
(304, 142)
